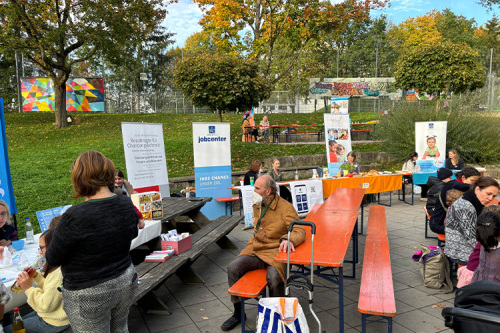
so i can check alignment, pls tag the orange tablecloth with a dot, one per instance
(372, 184)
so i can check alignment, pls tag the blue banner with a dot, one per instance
(6, 190)
(213, 182)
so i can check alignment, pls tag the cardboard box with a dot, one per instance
(180, 246)
(157, 260)
(149, 204)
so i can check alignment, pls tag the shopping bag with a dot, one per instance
(281, 315)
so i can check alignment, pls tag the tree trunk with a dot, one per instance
(220, 115)
(60, 103)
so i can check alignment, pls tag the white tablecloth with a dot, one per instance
(149, 232)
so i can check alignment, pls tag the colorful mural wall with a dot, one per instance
(362, 87)
(82, 94)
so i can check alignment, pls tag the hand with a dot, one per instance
(1, 252)
(284, 246)
(141, 224)
(4, 242)
(24, 281)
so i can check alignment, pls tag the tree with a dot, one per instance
(440, 67)
(488, 37)
(489, 4)
(456, 29)
(49, 34)
(221, 82)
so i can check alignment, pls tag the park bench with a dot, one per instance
(376, 296)
(229, 203)
(368, 133)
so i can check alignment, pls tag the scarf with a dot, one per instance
(470, 196)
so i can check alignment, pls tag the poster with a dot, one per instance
(306, 194)
(338, 140)
(430, 144)
(145, 155)
(212, 165)
(340, 106)
(6, 190)
(45, 216)
(246, 199)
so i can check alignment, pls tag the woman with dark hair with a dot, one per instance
(123, 184)
(46, 301)
(454, 162)
(411, 163)
(255, 170)
(91, 243)
(462, 216)
(464, 179)
(488, 234)
(351, 158)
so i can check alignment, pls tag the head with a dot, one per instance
(5, 217)
(492, 208)
(43, 243)
(340, 150)
(485, 189)
(413, 156)
(119, 177)
(488, 230)
(266, 187)
(453, 154)
(431, 142)
(55, 221)
(452, 196)
(468, 175)
(256, 166)
(276, 164)
(351, 157)
(265, 118)
(444, 174)
(92, 171)
(332, 144)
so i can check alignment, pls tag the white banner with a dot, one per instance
(145, 155)
(338, 140)
(340, 106)
(430, 144)
(246, 199)
(306, 194)
(212, 164)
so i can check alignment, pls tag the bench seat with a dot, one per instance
(376, 221)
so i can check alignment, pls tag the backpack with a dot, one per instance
(435, 269)
(432, 196)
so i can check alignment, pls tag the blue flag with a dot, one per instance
(6, 190)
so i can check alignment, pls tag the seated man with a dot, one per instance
(272, 216)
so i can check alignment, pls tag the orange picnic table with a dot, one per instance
(346, 199)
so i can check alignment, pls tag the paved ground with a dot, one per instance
(203, 308)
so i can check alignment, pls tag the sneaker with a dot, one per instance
(230, 324)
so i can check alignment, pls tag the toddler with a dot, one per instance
(431, 150)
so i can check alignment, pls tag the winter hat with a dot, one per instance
(444, 173)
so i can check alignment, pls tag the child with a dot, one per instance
(332, 144)
(341, 153)
(8, 232)
(431, 150)
(46, 300)
(452, 196)
(488, 234)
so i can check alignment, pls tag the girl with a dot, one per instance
(121, 183)
(488, 234)
(351, 158)
(431, 150)
(46, 300)
(7, 231)
(411, 163)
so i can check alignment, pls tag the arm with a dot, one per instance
(447, 163)
(298, 234)
(49, 298)
(425, 155)
(129, 187)
(437, 153)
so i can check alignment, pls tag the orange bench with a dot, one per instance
(250, 285)
(376, 296)
(376, 222)
(229, 202)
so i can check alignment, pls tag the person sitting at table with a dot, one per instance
(5, 295)
(332, 145)
(461, 221)
(8, 232)
(272, 218)
(45, 299)
(255, 171)
(454, 161)
(265, 127)
(435, 185)
(277, 177)
(91, 243)
(249, 130)
(122, 184)
(411, 163)
(351, 158)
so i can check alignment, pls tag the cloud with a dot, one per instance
(182, 19)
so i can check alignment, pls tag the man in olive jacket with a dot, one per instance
(271, 221)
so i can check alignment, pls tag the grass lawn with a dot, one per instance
(41, 156)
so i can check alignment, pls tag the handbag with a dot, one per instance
(435, 269)
(281, 315)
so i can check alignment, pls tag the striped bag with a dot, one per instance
(281, 315)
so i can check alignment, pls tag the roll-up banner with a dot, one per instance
(306, 194)
(6, 189)
(430, 144)
(212, 164)
(338, 140)
(145, 156)
(246, 198)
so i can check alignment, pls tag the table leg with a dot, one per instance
(226, 243)
(198, 218)
(362, 215)
(341, 300)
(188, 276)
(152, 304)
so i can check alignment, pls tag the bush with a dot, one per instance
(474, 135)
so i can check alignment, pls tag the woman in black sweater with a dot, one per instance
(91, 244)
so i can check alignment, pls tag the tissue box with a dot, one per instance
(180, 246)
(149, 204)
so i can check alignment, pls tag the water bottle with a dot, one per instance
(18, 323)
(296, 174)
(29, 232)
(188, 194)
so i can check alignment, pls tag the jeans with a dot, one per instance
(243, 264)
(34, 324)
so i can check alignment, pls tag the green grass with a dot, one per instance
(41, 156)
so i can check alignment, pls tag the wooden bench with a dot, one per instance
(367, 133)
(249, 286)
(229, 203)
(376, 296)
(152, 275)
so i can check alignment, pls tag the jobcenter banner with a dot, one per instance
(212, 164)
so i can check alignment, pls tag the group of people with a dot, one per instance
(250, 133)
(88, 280)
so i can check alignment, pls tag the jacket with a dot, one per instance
(274, 228)
(435, 186)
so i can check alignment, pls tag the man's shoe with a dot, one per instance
(230, 324)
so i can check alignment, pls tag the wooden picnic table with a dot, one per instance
(175, 207)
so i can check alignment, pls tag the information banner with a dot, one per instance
(145, 155)
(340, 106)
(212, 164)
(306, 194)
(45, 216)
(246, 199)
(338, 140)
(6, 190)
(430, 144)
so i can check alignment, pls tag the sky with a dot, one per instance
(183, 17)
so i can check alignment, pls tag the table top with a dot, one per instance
(344, 199)
(372, 184)
(177, 206)
(337, 225)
